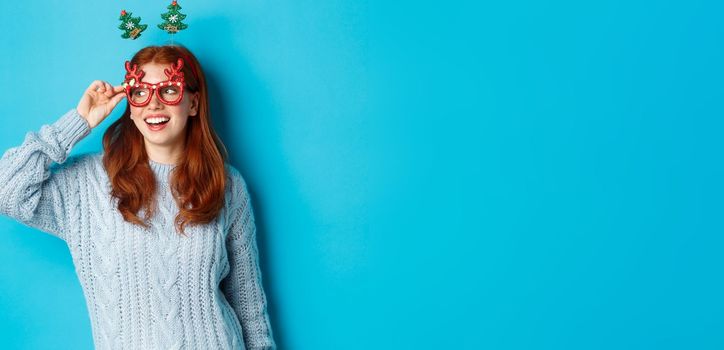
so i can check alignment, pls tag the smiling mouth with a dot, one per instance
(157, 120)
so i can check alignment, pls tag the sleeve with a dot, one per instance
(30, 190)
(243, 285)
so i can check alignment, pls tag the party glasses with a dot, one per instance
(169, 92)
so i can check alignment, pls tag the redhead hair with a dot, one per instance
(199, 179)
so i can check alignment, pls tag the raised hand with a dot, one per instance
(98, 101)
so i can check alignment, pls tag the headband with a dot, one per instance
(172, 24)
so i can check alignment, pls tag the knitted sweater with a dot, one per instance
(144, 288)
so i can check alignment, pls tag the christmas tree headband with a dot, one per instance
(132, 27)
(172, 23)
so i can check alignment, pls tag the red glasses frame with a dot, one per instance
(175, 78)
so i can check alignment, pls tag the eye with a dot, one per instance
(170, 91)
(139, 93)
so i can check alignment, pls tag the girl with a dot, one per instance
(160, 228)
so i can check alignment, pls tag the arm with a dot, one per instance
(243, 286)
(29, 191)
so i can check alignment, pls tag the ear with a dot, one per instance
(194, 106)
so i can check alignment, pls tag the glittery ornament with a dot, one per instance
(172, 19)
(131, 26)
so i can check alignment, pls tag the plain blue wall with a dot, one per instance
(466, 175)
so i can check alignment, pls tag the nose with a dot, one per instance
(154, 103)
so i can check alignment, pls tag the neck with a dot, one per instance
(165, 154)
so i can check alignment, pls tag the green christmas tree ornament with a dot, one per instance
(172, 19)
(131, 26)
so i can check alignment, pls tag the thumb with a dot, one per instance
(114, 101)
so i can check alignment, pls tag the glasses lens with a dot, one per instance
(170, 93)
(140, 95)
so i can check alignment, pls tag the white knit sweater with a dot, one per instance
(144, 288)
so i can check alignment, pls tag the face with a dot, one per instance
(171, 133)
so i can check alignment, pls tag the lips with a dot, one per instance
(156, 122)
(156, 119)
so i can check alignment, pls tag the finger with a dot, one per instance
(94, 86)
(114, 90)
(117, 94)
(114, 101)
(109, 91)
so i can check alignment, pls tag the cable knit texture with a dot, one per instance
(144, 288)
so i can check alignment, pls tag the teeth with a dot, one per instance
(156, 120)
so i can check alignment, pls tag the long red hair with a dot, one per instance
(199, 179)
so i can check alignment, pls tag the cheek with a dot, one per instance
(135, 111)
(183, 108)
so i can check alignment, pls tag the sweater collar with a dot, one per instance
(161, 170)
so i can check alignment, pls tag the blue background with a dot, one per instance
(426, 175)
